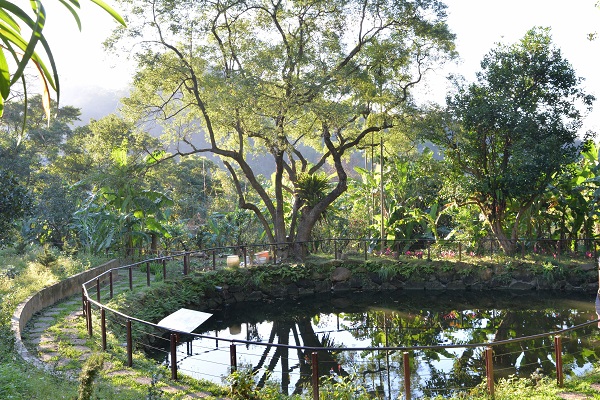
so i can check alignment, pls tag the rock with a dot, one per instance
(370, 285)
(389, 286)
(415, 285)
(291, 290)
(445, 276)
(341, 274)
(456, 285)
(522, 285)
(356, 283)
(375, 278)
(255, 296)
(434, 284)
(322, 286)
(341, 286)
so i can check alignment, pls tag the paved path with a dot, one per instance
(57, 336)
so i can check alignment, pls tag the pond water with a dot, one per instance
(390, 319)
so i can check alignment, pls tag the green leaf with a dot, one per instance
(36, 33)
(73, 11)
(109, 10)
(4, 77)
(10, 21)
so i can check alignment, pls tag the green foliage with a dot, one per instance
(388, 271)
(284, 273)
(90, 371)
(47, 257)
(525, 108)
(260, 94)
(342, 388)
(243, 386)
(15, 201)
(412, 184)
(311, 188)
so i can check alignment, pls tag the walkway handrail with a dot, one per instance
(88, 301)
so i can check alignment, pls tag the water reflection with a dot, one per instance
(399, 319)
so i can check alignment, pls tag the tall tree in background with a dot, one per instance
(509, 133)
(303, 82)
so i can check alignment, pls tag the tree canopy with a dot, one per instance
(510, 132)
(302, 82)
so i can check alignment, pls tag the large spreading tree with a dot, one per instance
(510, 132)
(300, 82)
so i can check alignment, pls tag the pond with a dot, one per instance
(396, 319)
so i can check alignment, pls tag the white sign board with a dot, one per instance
(184, 320)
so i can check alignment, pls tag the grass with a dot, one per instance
(21, 275)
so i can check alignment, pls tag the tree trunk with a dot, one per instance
(507, 244)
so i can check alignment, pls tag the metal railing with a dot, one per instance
(418, 247)
(310, 357)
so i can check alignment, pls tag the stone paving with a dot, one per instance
(57, 337)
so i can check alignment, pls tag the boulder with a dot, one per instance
(341, 274)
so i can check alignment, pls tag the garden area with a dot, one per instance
(281, 150)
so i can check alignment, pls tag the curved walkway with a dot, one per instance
(51, 334)
(57, 337)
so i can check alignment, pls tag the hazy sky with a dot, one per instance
(91, 78)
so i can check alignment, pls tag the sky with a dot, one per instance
(94, 80)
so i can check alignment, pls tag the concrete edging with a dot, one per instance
(46, 298)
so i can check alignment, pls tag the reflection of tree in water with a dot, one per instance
(464, 368)
(422, 321)
(526, 357)
(304, 335)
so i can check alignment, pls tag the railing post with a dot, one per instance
(232, 357)
(103, 327)
(489, 370)
(245, 256)
(89, 318)
(185, 264)
(214, 258)
(83, 306)
(98, 289)
(164, 265)
(406, 363)
(459, 251)
(130, 277)
(129, 345)
(148, 273)
(428, 250)
(174, 356)
(315, 375)
(366, 257)
(558, 357)
(335, 249)
(110, 283)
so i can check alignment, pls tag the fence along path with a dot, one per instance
(92, 305)
(57, 337)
